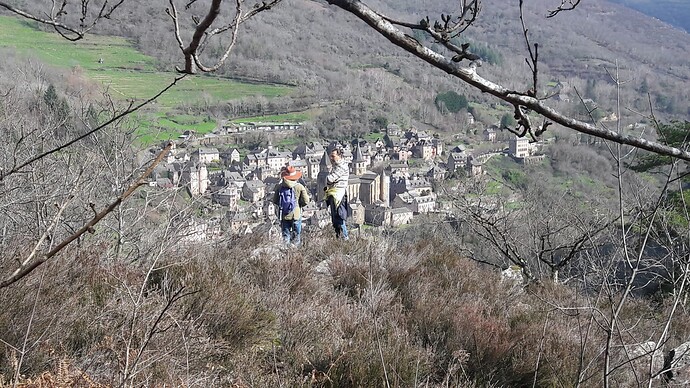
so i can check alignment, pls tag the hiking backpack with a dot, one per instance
(286, 200)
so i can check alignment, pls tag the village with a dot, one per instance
(392, 178)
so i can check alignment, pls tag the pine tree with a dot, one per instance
(51, 98)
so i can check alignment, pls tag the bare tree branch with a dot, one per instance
(203, 32)
(566, 5)
(27, 268)
(469, 76)
(129, 110)
(68, 32)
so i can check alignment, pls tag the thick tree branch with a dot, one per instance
(203, 32)
(469, 76)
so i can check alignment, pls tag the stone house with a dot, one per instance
(438, 146)
(253, 191)
(416, 185)
(312, 168)
(195, 176)
(490, 134)
(254, 160)
(518, 147)
(402, 154)
(230, 156)
(399, 168)
(400, 216)
(242, 169)
(403, 200)
(416, 203)
(309, 150)
(320, 218)
(474, 166)
(276, 160)
(262, 173)
(424, 150)
(238, 222)
(424, 203)
(436, 174)
(358, 212)
(226, 196)
(377, 215)
(393, 130)
(228, 178)
(381, 216)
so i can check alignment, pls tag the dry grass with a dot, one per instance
(368, 312)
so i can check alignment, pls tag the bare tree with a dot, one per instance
(525, 232)
(50, 194)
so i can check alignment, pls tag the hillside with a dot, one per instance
(674, 12)
(340, 60)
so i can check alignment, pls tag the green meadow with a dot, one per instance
(128, 74)
(284, 118)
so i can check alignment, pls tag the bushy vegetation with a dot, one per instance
(138, 303)
(372, 312)
(451, 101)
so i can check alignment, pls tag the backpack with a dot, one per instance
(286, 200)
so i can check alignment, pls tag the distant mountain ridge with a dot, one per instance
(674, 12)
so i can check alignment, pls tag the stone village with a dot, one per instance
(392, 178)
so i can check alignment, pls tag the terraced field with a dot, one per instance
(117, 65)
(128, 74)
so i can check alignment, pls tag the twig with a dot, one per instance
(27, 268)
(115, 118)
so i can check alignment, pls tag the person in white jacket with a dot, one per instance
(336, 189)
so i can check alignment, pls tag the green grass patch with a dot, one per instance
(125, 72)
(288, 143)
(494, 188)
(373, 136)
(496, 166)
(117, 53)
(296, 117)
(161, 126)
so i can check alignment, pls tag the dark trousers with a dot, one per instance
(337, 219)
(291, 230)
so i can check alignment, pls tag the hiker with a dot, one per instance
(290, 196)
(336, 189)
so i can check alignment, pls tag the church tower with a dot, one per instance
(385, 191)
(359, 164)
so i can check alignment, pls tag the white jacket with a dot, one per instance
(337, 180)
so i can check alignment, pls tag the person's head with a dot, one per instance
(290, 173)
(335, 152)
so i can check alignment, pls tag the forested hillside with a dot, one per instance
(332, 57)
(674, 12)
